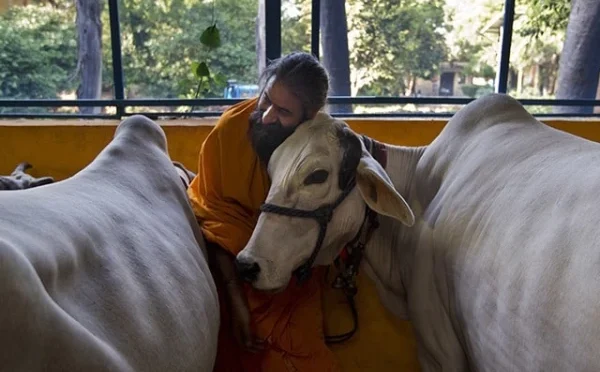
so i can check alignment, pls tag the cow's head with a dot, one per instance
(20, 180)
(316, 166)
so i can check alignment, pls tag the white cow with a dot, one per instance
(501, 269)
(105, 271)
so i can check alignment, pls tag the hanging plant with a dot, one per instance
(211, 39)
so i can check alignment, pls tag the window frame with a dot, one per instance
(272, 9)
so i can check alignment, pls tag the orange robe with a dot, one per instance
(226, 195)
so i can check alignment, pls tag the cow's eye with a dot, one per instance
(318, 176)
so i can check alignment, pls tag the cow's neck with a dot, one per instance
(388, 253)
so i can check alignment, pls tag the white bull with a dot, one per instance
(105, 271)
(501, 269)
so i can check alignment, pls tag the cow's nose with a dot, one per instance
(247, 270)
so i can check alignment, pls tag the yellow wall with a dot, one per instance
(62, 148)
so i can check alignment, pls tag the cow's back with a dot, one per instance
(514, 218)
(105, 270)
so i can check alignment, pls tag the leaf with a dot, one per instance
(219, 78)
(200, 69)
(211, 37)
(195, 68)
(205, 86)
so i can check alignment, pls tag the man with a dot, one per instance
(274, 332)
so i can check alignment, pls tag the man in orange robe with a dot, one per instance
(274, 332)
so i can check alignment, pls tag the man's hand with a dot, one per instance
(241, 320)
(240, 315)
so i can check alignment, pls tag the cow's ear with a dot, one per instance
(379, 193)
(41, 181)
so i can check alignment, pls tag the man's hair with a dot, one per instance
(304, 75)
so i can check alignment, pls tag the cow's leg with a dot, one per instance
(439, 348)
(431, 304)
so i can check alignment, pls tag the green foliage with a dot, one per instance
(200, 70)
(476, 91)
(184, 48)
(38, 52)
(163, 46)
(474, 39)
(487, 72)
(211, 37)
(399, 40)
(469, 90)
(545, 16)
(539, 29)
(295, 26)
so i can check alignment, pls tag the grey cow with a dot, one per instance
(20, 180)
(106, 270)
(489, 239)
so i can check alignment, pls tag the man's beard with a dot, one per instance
(265, 138)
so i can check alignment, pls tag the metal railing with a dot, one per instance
(272, 9)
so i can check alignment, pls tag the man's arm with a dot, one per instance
(225, 226)
(224, 263)
(221, 219)
(225, 267)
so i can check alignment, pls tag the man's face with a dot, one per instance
(276, 117)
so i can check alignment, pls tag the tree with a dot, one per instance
(578, 73)
(89, 64)
(545, 16)
(38, 53)
(397, 41)
(473, 40)
(537, 39)
(296, 26)
(334, 40)
(261, 43)
(161, 39)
